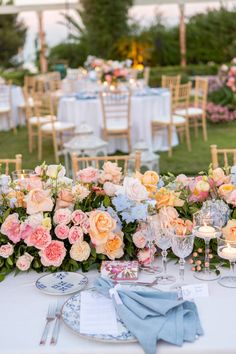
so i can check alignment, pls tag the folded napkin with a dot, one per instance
(152, 316)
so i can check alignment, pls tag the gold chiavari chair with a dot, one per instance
(6, 104)
(170, 81)
(146, 75)
(181, 99)
(197, 113)
(30, 83)
(17, 161)
(124, 161)
(116, 107)
(227, 154)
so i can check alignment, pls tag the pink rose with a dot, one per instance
(232, 198)
(167, 215)
(80, 251)
(75, 234)
(146, 255)
(38, 200)
(25, 230)
(110, 189)
(78, 217)
(219, 177)
(53, 254)
(85, 225)
(39, 238)
(140, 238)
(11, 228)
(6, 250)
(111, 173)
(62, 216)
(23, 262)
(62, 231)
(88, 175)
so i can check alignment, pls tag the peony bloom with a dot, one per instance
(53, 254)
(39, 238)
(6, 250)
(88, 175)
(55, 171)
(113, 248)
(76, 234)
(11, 228)
(80, 251)
(24, 262)
(111, 173)
(229, 231)
(62, 216)
(134, 189)
(166, 197)
(62, 231)
(101, 225)
(38, 200)
(65, 199)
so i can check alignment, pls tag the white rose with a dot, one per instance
(80, 251)
(23, 262)
(35, 220)
(110, 188)
(134, 189)
(56, 171)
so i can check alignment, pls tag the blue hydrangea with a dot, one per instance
(129, 210)
(121, 202)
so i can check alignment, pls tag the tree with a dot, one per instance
(104, 23)
(12, 37)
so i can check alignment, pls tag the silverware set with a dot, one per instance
(53, 314)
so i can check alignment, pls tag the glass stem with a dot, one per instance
(181, 270)
(164, 263)
(150, 254)
(232, 264)
(207, 259)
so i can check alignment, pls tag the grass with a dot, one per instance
(222, 134)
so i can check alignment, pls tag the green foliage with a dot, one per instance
(12, 37)
(224, 96)
(73, 53)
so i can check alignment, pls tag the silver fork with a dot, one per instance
(49, 318)
(56, 328)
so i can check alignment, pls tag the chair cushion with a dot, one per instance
(176, 120)
(4, 109)
(117, 124)
(58, 126)
(41, 120)
(191, 111)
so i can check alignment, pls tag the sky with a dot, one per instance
(56, 33)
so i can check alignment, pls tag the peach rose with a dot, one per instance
(78, 217)
(62, 216)
(167, 215)
(33, 182)
(62, 231)
(88, 175)
(140, 238)
(39, 238)
(113, 248)
(24, 262)
(165, 197)
(229, 231)
(219, 176)
(11, 228)
(80, 251)
(53, 254)
(111, 173)
(101, 225)
(76, 234)
(38, 200)
(65, 199)
(6, 250)
(134, 189)
(225, 190)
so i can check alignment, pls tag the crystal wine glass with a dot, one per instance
(227, 250)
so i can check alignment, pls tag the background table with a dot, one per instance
(18, 101)
(143, 110)
(23, 309)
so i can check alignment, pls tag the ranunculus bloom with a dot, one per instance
(39, 238)
(88, 175)
(140, 238)
(78, 217)
(65, 199)
(11, 228)
(53, 254)
(113, 248)
(62, 231)
(55, 171)
(229, 231)
(166, 197)
(134, 189)
(167, 215)
(110, 189)
(80, 251)
(6, 250)
(23, 262)
(62, 216)
(38, 200)
(101, 225)
(111, 173)
(225, 190)
(76, 234)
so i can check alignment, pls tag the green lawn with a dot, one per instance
(224, 135)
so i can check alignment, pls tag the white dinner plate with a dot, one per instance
(61, 283)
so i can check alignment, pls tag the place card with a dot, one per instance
(120, 270)
(190, 292)
(97, 314)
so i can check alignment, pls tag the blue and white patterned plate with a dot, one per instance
(61, 283)
(71, 317)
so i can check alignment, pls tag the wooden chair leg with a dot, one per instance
(54, 138)
(204, 127)
(169, 130)
(30, 138)
(196, 126)
(129, 142)
(40, 144)
(10, 123)
(187, 135)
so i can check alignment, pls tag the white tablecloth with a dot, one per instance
(17, 98)
(23, 309)
(143, 110)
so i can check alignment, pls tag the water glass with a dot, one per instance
(226, 249)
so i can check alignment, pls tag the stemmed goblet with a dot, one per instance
(227, 250)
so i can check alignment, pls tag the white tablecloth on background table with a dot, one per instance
(143, 110)
(23, 309)
(18, 100)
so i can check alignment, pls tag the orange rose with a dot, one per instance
(229, 231)
(165, 197)
(101, 225)
(113, 248)
(149, 179)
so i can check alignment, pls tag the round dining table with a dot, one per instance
(17, 103)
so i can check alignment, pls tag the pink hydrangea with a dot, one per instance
(53, 254)
(39, 238)
(11, 228)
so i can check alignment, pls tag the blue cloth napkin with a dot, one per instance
(152, 315)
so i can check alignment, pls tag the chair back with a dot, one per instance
(4, 163)
(116, 108)
(43, 105)
(170, 81)
(124, 161)
(200, 93)
(228, 154)
(54, 81)
(30, 83)
(181, 97)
